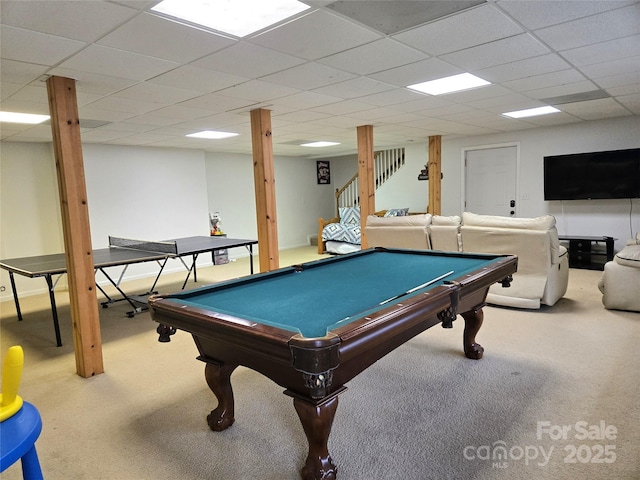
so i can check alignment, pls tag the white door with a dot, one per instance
(490, 181)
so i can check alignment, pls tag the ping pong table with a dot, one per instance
(121, 252)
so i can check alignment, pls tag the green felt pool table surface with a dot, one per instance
(351, 286)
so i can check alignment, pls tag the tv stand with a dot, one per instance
(589, 252)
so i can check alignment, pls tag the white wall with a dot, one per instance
(616, 218)
(299, 199)
(404, 190)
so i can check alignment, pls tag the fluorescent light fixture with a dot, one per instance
(455, 83)
(212, 134)
(236, 17)
(531, 112)
(14, 117)
(319, 144)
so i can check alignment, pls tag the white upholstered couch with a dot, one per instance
(543, 264)
(620, 281)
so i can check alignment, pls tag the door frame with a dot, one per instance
(463, 169)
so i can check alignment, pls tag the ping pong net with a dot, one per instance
(170, 247)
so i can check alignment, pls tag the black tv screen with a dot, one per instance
(594, 175)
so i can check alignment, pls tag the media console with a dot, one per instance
(589, 252)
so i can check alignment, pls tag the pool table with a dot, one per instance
(313, 327)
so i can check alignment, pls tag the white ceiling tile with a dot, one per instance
(342, 108)
(118, 104)
(308, 76)
(160, 37)
(216, 103)
(480, 93)
(631, 102)
(180, 113)
(417, 72)
(200, 79)
(315, 35)
(392, 97)
(93, 82)
(303, 116)
(472, 27)
(87, 21)
(34, 133)
(374, 57)
(248, 60)
(613, 67)
(524, 68)
(622, 80)
(605, 51)
(547, 80)
(256, 91)
(117, 63)
(150, 121)
(157, 93)
(33, 94)
(355, 87)
(9, 89)
(12, 71)
(32, 47)
(497, 53)
(595, 109)
(538, 14)
(310, 100)
(133, 84)
(100, 114)
(587, 31)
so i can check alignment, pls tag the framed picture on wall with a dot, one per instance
(324, 172)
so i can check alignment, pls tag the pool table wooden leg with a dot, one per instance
(472, 323)
(219, 381)
(317, 420)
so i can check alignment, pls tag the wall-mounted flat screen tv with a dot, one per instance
(594, 175)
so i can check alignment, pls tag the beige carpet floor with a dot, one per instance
(423, 412)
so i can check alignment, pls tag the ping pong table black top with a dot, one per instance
(56, 264)
(121, 252)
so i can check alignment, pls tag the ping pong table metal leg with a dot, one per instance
(250, 247)
(153, 287)
(15, 296)
(191, 269)
(117, 287)
(54, 309)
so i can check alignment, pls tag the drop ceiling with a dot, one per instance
(145, 80)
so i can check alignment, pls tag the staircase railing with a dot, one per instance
(385, 164)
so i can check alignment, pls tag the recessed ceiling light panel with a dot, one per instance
(235, 17)
(319, 144)
(212, 134)
(15, 117)
(455, 83)
(531, 112)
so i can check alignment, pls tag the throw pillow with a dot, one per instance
(350, 215)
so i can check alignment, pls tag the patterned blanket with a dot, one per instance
(348, 230)
(342, 232)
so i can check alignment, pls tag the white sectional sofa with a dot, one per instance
(620, 281)
(543, 264)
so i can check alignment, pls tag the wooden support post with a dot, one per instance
(435, 175)
(366, 184)
(265, 188)
(65, 128)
